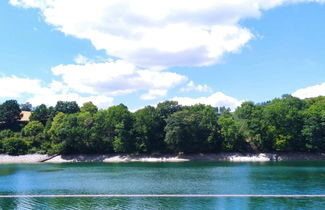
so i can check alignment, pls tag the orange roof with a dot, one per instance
(25, 115)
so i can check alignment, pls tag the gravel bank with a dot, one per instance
(234, 157)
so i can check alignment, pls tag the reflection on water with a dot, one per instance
(7, 170)
(163, 178)
(50, 170)
(162, 203)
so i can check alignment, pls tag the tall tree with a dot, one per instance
(10, 112)
(285, 122)
(166, 108)
(67, 107)
(314, 125)
(148, 133)
(193, 129)
(114, 127)
(41, 114)
(26, 107)
(89, 107)
(120, 120)
(233, 140)
(33, 132)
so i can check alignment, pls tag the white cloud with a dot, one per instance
(51, 98)
(191, 86)
(145, 36)
(117, 78)
(99, 80)
(153, 94)
(157, 33)
(311, 91)
(57, 91)
(15, 87)
(217, 99)
(80, 59)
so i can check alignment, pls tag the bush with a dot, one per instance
(6, 134)
(1, 147)
(14, 146)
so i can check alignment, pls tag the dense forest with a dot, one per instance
(285, 124)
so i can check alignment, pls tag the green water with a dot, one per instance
(163, 178)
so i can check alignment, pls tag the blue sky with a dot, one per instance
(218, 53)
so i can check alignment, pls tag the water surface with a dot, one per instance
(307, 177)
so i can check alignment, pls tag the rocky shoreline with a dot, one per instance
(232, 157)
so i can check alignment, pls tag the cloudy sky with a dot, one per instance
(141, 52)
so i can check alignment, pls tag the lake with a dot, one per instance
(271, 178)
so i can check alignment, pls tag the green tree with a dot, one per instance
(26, 107)
(209, 128)
(285, 122)
(120, 124)
(10, 112)
(233, 140)
(41, 114)
(274, 125)
(55, 133)
(70, 133)
(112, 130)
(193, 129)
(314, 125)
(254, 126)
(33, 132)
(166, 108)
(179, 131)
(148, 132)
(89, 107)
(6, 133)
(14, 146)
(67, 107)
(102, 133)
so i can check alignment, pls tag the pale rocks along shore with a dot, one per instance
(232, 157)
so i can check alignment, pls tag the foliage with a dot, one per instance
(193, 129)
(41, 114)
(314, 126)
(67, 107)
(26, 107)
(230, 133)
(33, 132)
(285, 124)
(166, 108)
(89, 107)
(6, 133)
(14, 146)
(148, 134)
(119, 122)
(10, 112)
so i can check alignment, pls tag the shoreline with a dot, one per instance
(120, 158)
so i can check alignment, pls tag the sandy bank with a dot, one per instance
(31, 158)
(234, 157)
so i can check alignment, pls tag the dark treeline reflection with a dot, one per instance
(161, 203)
(285, 124)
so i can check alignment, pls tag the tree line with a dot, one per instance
(286, 124)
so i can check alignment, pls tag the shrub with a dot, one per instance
(14, 146)
(6, 133)
(1, 147)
